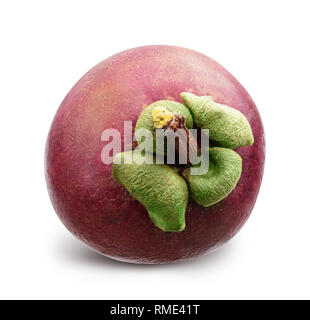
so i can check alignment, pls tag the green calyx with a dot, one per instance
(228, 126)
(161, 190)
(225, 167)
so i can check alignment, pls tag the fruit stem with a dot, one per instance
(186, 146)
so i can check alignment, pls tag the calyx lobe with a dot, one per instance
(228, 126)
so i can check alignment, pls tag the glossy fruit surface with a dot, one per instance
(100, 211)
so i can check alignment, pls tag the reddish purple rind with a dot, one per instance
(97, 209)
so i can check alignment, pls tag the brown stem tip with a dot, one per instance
(174, 127)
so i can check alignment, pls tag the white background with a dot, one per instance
(46, 46)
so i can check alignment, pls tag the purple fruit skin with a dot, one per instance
(100, 211)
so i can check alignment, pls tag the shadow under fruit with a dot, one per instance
(99, 210)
